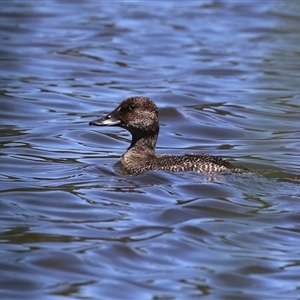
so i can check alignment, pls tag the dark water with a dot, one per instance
(225, 76)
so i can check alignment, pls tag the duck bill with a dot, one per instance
(111, 119)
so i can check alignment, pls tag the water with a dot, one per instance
(225, 76)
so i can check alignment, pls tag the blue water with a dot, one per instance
(225, 76)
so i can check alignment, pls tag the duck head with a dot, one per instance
(138, 115)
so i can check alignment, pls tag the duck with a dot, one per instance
(139, 116)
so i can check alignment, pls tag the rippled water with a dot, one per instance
(225, 76)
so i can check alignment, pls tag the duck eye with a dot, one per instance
(131, 107)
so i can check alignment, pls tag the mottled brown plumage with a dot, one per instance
(139, 115)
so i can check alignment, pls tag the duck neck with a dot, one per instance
(143, 143)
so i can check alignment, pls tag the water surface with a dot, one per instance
(225, 76)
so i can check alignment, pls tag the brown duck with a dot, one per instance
(139, 115)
